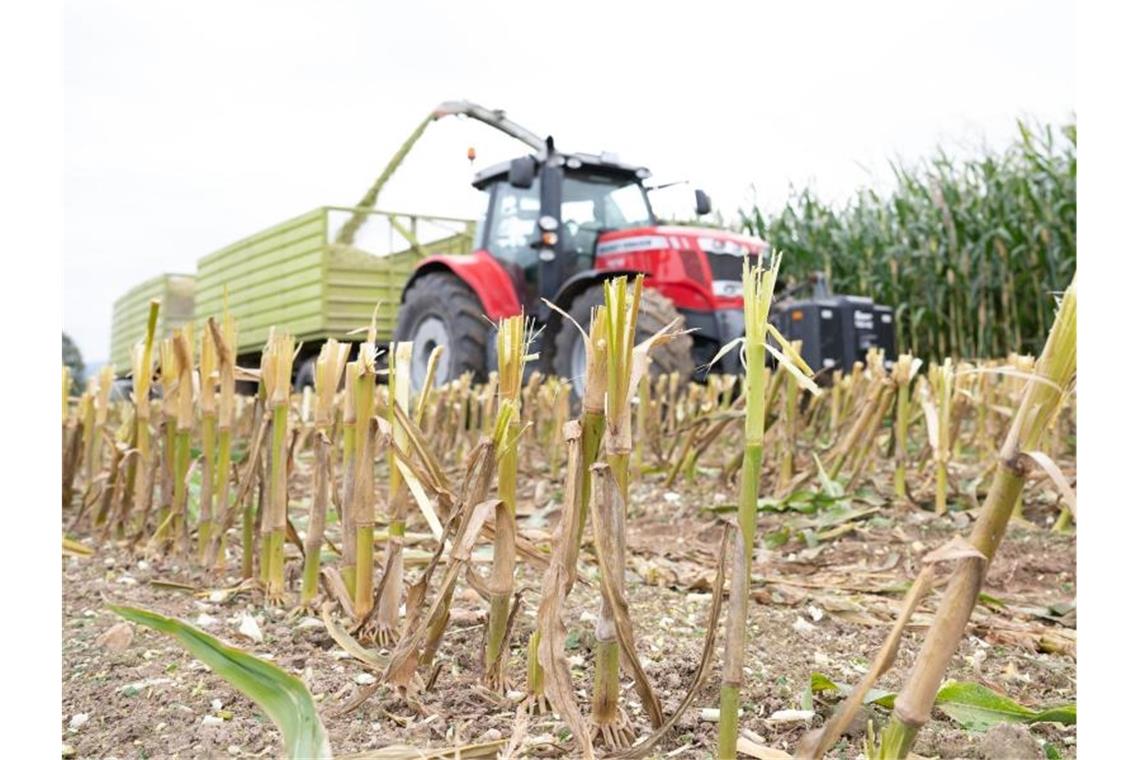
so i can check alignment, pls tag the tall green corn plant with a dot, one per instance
(966, 250)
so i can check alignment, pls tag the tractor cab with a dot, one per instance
(545, 217)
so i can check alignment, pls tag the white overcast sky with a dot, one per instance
(190, 125)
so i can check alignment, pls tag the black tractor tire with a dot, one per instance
(306, 375)
(445, 303)
(656, 312)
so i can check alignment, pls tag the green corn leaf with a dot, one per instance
(970, 704)
(977, 708)
(832, 489)
(820, 682)
(788, 364)
(789, 350)
(1064, 714)
(282, 696)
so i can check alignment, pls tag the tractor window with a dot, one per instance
(513, 221)
(603, 202)
(628, 203)
(592, 203)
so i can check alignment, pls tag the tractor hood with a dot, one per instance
(667, 237)
(698, 268)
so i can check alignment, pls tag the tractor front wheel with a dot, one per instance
(656, 312)
(440, 310)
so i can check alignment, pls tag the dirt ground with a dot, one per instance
(824, 608)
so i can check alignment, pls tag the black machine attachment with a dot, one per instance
(836, 330)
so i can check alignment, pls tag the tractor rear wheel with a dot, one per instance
(440, 310)
(656, 312)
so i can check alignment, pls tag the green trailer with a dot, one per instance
(296, 276)
(175, 293)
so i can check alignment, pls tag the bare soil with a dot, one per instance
(823, 609)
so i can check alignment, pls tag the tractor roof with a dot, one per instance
(605, 163)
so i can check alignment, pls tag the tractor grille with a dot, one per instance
(725, 266)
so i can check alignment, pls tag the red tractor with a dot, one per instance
(557, 225)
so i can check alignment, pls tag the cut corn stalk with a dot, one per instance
(759, 287)
(208, 409)
(224, 341)
(329, 371)
(348, 487)
(906, 367)
(513, 339)
(400, 390)
(1054, 373)
(277, 375)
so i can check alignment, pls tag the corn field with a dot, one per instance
(969, 252)
(497, 562)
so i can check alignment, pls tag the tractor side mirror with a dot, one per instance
(521, 173)
(704, 204)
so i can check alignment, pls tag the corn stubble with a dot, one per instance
(1053, 378)
(513, 339)
(457, 451)
(759, 288)
(329, 371)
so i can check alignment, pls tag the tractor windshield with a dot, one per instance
(600, 201)
(592, 203)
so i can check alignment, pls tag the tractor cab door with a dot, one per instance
(511, 229)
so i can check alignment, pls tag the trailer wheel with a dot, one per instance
(440, 310)
(656, 312)
(306, 375)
